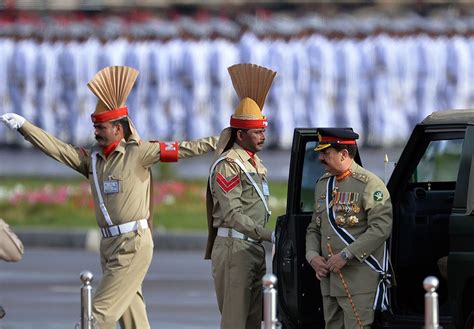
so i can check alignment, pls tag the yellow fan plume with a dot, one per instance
(113, 84)
(251, 80)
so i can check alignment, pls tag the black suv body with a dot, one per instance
(432, 191)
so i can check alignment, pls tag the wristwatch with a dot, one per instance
(344, 255)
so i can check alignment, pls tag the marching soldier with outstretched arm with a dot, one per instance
(237, 204)
(118, 169)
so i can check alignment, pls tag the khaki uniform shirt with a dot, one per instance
(128, 164)
(236, 203)
(368, 220)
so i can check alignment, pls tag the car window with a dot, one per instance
(440, 163)
(312, 170)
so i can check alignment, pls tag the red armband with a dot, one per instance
(169, 151)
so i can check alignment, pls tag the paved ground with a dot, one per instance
(43, 290)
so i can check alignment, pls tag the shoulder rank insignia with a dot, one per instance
(325, 175)
(227, 185)
(362, 177)
(378, 195)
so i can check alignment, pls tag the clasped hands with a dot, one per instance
(323, 266)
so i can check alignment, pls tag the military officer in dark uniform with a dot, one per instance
(118, 169)
(348, 234)
(237, 204)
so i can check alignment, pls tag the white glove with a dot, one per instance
(13, 120)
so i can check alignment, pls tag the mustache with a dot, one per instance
(98, 138)
(323, 162)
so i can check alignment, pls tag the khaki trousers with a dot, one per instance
(11, 248)
(338, 312)
(125, 261)
(237, 268)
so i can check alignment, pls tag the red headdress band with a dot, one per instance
(249, 124)
(109, 115)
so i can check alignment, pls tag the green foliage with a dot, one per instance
(58, 203)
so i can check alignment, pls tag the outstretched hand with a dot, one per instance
(12, 120)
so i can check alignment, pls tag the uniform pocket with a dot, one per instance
(128, 248)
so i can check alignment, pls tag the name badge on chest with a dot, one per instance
(111, 186)
(266, 190)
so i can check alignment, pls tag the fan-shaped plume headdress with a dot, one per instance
(112, 85)
(252, 83)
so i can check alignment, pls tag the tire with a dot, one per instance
(469, 324)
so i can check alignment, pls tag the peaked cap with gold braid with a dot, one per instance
(112, 85)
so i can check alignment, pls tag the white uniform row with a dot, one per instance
(380, 85)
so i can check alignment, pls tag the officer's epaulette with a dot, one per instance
(326, 175)
(360, 176)
(230, 155)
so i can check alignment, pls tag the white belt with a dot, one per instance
(231, 233)
(115, 230)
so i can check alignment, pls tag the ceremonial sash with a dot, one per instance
(382, 298)
(104, 211)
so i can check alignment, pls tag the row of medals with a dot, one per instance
(347, 203)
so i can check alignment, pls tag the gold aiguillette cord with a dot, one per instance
(346, 288)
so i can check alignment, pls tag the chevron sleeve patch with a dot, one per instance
(227, 185)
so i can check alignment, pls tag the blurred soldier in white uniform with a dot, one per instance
(457, 60)
(68, 76)
(319, 103)
(222, 54)
(133, 58)
(301, 76)
(157, 91)
(280, 59)
(175, 48)
(20, 71)
(193, 78)
(6, 44)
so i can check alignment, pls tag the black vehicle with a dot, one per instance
(432, 192)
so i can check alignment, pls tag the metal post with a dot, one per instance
(269, 302)
(86, 300)
(431, 303)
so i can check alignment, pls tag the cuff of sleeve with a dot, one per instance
(24, 129)
(348, 253)
(169, 151)
(310, 255)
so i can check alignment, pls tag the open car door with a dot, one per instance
(299, 295)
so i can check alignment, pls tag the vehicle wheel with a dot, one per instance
(470, 321)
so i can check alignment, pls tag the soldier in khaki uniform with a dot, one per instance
(237, 204)
(11, 248)
(353, 218)
(118, 169)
